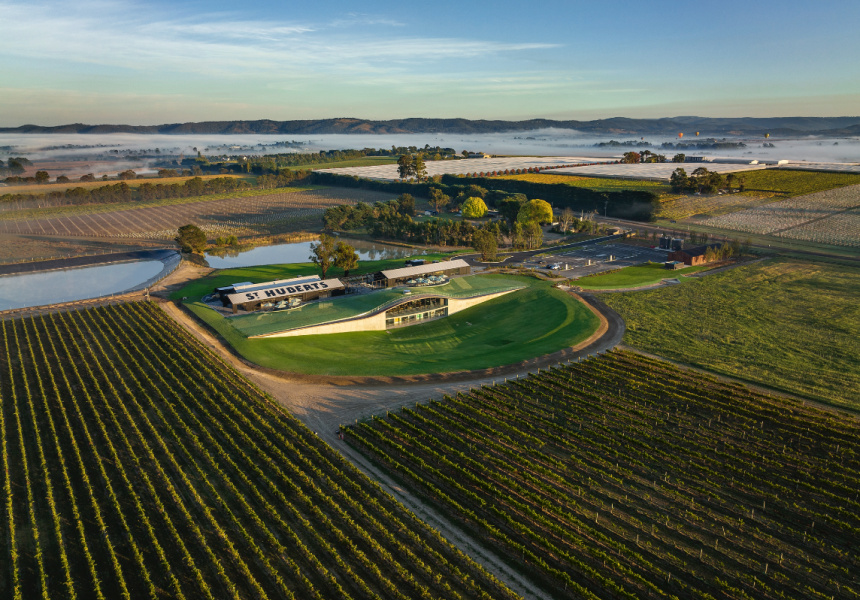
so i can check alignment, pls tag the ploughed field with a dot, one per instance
(625, 477)
(829, 217)
(267, 212)
(135, 464)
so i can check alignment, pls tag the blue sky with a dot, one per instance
(115, 61)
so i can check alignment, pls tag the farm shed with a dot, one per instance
(693, 256)
(392, 277)
(281, 293)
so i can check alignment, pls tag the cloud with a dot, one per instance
(120, 35)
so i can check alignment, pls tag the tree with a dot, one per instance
(510, 206)
(404, 166)
(476, 190)
(474, 208)
(679, 158)
(730, 177)
(438, 198)
(679, 180)
(16, 165)
(406, 204)
(536, 210)
(42, 177)
(323, 254)
(533, 235)
(191, 239)
(419, 169)
(631, 157)
(345, 257)
(517, 237)
(707, 181)
(565, 220)
(485, 242)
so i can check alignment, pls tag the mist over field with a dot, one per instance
(551, 142)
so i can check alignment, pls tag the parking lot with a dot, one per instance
(588, 260)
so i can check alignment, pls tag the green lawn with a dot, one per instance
(636, 276)
(788, 324)
(368, 161)
(530, 322)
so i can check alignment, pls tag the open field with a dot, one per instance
(258, 213)
(624, 477)
(164, 473)
(462, 166)
(842, 228)
(635, 276)
(782, 183)
(828, 212)
(367, 161)
(790, 325)
(599, 184)
(521, 325)
(762, 187)
(679, 207)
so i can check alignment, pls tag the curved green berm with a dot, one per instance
(522, 325)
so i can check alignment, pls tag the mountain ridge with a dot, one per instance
(707, 126)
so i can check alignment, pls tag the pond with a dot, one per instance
(67, 285)
(300, 253)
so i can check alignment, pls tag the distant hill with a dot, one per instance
(746, 126)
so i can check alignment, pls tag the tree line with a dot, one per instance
(123, 192)
(703, 181)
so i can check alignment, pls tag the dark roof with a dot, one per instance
(699, 250)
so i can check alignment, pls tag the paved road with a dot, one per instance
(513, 257)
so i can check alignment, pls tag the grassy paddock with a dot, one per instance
(369, 161)
(635, 276)
(781, 183)
(530, 322)
(598, 184)
(790, 325)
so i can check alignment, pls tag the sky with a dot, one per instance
(154, 62)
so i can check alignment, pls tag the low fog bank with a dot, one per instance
(144, 150)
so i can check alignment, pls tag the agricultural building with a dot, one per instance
(421, 274)
(283, 293)
(693, 256)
